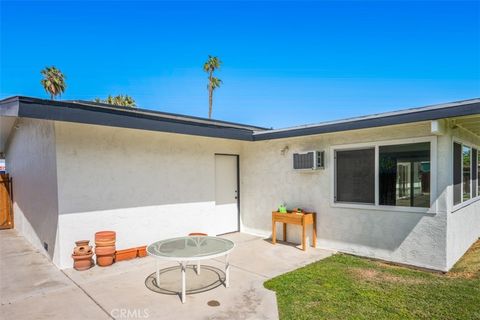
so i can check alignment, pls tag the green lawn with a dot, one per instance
(348, 287)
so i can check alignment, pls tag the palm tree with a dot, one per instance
(119, 100)
(212, 64)
(53, 81)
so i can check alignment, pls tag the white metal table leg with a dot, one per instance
(183, 266)
(227, 272)
(158, 273)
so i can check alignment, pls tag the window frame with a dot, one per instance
(376, 145)
(454, 207)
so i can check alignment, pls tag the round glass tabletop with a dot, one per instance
(190, 248)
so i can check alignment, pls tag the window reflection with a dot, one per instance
(405, 175)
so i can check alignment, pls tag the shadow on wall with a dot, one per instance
(376, 229)
(31, 162)
(35, 226)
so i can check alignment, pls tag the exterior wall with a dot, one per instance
(30, 160)
(144, 185)
(464, 219)
(400, 236)
(71, 180)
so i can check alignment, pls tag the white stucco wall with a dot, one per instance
(71, 180)
(31, 162)
(464, 220)
(405, 237)
(144, 185)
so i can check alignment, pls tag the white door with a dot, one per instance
(226, 193)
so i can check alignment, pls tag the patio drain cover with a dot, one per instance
(213, 303)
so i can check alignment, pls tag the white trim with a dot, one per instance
(376, 145)
(466, 203)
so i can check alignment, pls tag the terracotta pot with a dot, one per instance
(80, 243)
(105, 243)
(83, 265)
(142, 251)
(105, 261)
(125, 254)
(82, 250)
(82, 262)
(105, 236)
(103, 251)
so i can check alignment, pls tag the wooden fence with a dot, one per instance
(6, 208)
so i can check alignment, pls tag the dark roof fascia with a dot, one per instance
(167, 114)
(107, 115)
(80, 113)
(381, 121)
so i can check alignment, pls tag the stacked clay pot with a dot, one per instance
(105, 247)
(82, 255)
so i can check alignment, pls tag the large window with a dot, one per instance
(355, 176)
(403, 175)
(475, 173)
(465, 173)
(478, 172)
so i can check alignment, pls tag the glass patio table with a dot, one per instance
(191, 249)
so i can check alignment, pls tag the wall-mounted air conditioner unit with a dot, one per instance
(309, 160)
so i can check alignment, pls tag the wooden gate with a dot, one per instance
(6, 208)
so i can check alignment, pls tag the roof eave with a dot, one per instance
(412, 117)
(60, 111)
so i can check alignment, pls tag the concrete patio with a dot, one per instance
(32, 288)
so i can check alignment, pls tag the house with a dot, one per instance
(401, 186)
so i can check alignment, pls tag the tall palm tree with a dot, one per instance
(120, 100)
(212, 64)
(53, 81)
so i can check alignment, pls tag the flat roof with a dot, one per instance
(432, 112)
(88, 112)
(125, 117)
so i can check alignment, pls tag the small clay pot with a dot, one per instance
(142, 251)
(80, 243)
(103, 251)
(105, 261)
(125, 254)
(106, 243)
(82, 250)
(82, 262)
(105, 236)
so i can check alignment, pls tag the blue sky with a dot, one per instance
(284, 63)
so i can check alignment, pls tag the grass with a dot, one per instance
(349, 287)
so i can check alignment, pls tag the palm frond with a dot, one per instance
(118, 100)
(53, 81)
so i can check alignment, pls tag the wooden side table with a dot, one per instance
(302, 219)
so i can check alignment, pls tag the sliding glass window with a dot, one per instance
(478, 172)
(404, 175)
(466, 173)
(474, 165)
